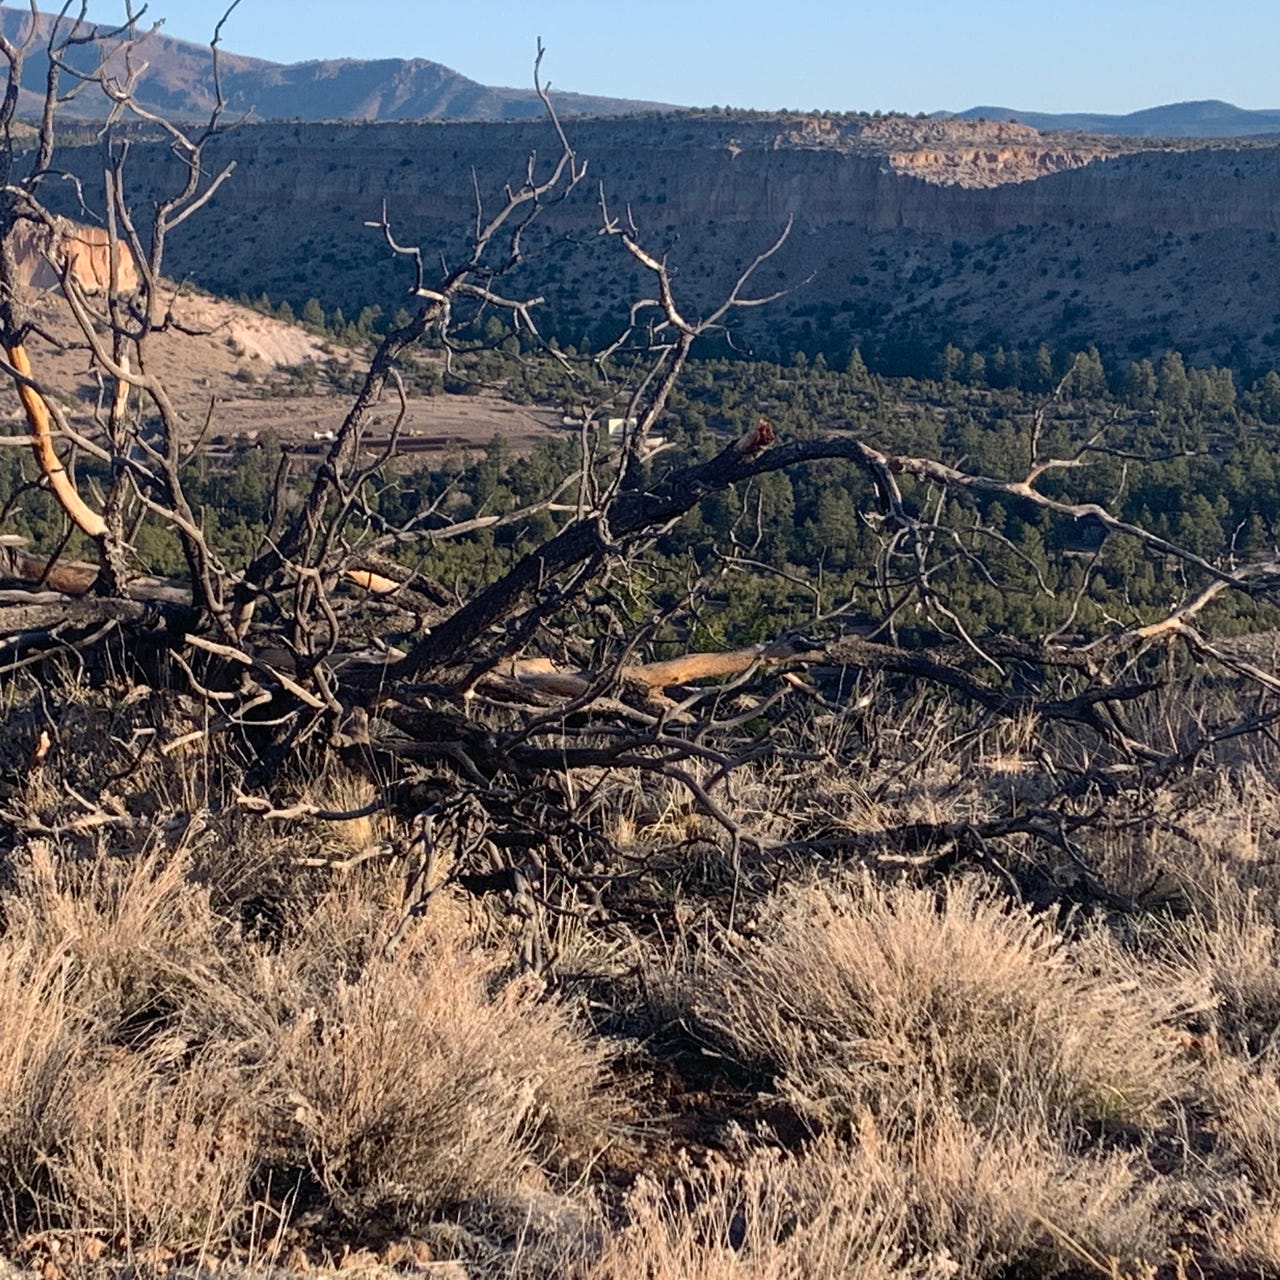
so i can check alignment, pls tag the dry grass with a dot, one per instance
(138, 1119)
(863, 996)
(1234, 942)
(1246, 1102)
(961, 1060)
(207, 1042)
(159, 1151)
(952, 1202)
(772, 1218)
(413, 1087)
(159, 1069)
(40, 1040)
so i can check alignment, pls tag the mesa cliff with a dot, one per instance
(921, 225)
(699, 169)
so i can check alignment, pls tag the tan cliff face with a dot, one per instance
(42, 253)
(985, 167)
(905, 131)
(979, 153)
(962, 153)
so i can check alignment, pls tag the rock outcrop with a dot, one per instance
(42, 253)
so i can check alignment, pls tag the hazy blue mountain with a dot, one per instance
(1209, 119)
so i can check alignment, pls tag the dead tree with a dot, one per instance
(494, 694)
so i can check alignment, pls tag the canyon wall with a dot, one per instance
(700, 170)
(949, 230)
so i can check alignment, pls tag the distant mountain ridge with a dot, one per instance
(179, 83)
(1207, 119)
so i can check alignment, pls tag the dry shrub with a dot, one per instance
(775, 1218)
(41, 1039)
(952, 1051)
(1007, 1194)
(1247, 1105)
(163, 1152)
(157, 1067)
(132, 1125)
(144, 952)
(416, 1087)
(871, 997)
(950, 1202)
(1233, 940)
(416, 1082)
(1246, 1159)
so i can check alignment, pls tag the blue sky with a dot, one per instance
(907, 55)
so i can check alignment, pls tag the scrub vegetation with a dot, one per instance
(799, 822)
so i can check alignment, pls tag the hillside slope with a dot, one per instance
(234, 373)
(913, 236)
(179, 83)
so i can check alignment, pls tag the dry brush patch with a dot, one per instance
(953, 1202)
(770, 1218)
(162, 1071)
(1010, 1084)
(854, 996)
(981, 1087)
(416, 1088)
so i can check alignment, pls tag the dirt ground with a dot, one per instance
(225, 367)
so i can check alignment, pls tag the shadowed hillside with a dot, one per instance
(908, 234)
